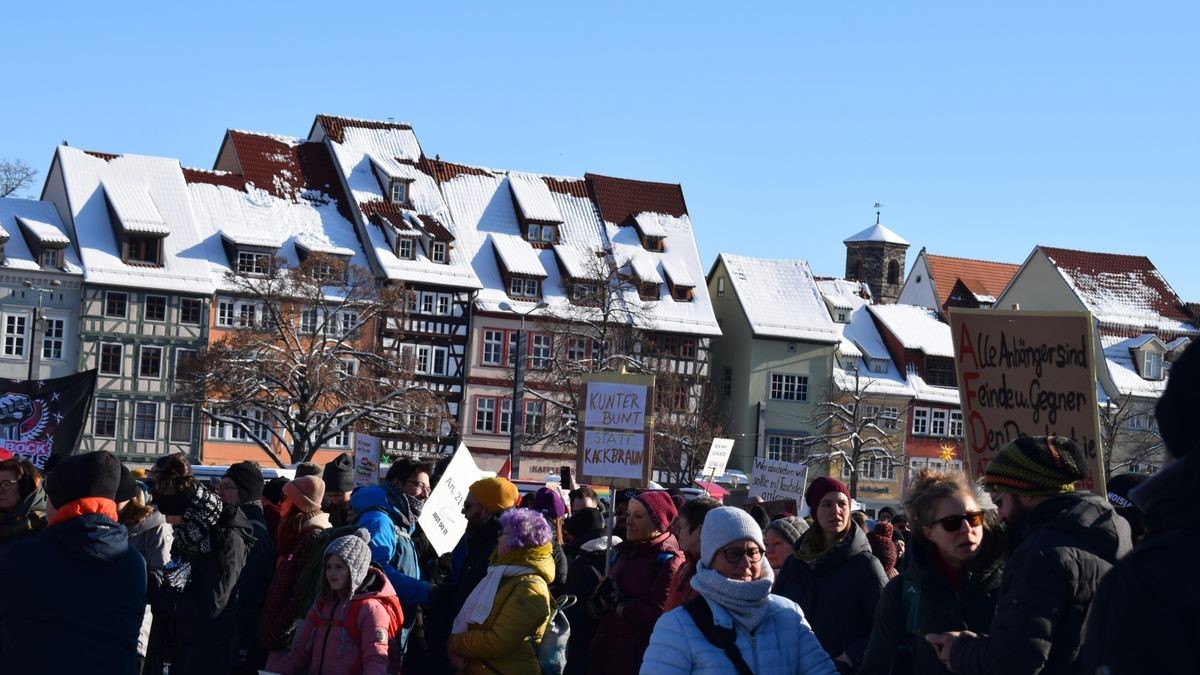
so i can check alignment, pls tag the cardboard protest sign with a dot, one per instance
(1027, 373)
(718, 457)
(773, 480)
(441, 518)
(615, 439)
(366, 460)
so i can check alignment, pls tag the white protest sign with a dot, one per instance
(366, 460)
(613, 454)
(614, 439)
(718, 456)
(615, 405)
(441, 517)
(774, 479)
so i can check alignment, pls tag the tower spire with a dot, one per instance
(877, 207)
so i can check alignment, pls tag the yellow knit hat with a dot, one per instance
(495, 494)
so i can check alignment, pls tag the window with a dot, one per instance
(893, 275)
(443, 304)
(883, 417)
(116, 303)
(539, 351)
(687, 348)
(727, 383)
(485, 415)
(505, 416)
(104, 419)
(254, 419)
(348, 367)
(309, 320)
(584, 293)
(156, 308)
(52, 338)
(143, 250)
(181, 423)
(784, 448)
(937, 422)
(225, 312)
(720, 287)
(145, 418)
(535, 417)
(920, 421)
(399, 192)
(493, 347)
(347, 323)
(941, 372)
(600, 349)
(253, 264)
(522, 287)
(150, 362)
(1152, 366)
(842, 316)
(14, 334)
(405, 249)
(534, 233)
(577, 349)
(190, 311)
(877, 365)
(247, 315)
(956, 423)
(681, 293)
(789, 387)
(432, 360)
(111, 356)
(877, 468)
(428, 301)
(437, 252)
(183, 359)
(341, 439)
(50, 258)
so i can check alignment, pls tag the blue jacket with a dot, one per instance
(74, 599)
(783, 644)
(392, 546)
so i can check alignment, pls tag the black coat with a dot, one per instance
(939, 607)
(838, 592)
(1146, 615)
(255, 578)
(1066, 546)
(73, 600)
(583, 575)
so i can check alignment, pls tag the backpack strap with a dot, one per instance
(723, 638)
(910, 599)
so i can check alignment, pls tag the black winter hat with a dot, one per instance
(583, 522)
(127, 488)
(339, 474)
(308, 469)
(273, 490)
(248, 479)
(1179, 404)
(90, 474)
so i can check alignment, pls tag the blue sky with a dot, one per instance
(984, 128)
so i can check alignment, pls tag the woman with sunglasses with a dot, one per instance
(735, 625)
(952, 579)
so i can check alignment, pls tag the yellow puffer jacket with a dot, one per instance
(505, 643)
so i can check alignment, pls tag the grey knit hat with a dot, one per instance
(722, 527)
(790, 528)
(354, 550)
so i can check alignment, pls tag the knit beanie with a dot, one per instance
(660, 507)
(127, 487)
(1178, 406)
(584, 522)
(820, 487)
(248, 479)
(273, 490)
(1036, 466)
(306, 493)
(307, 469)
(882, 545)
(339, 474)
(355, 551)
(790, 528)
(89, 474)
(494, 494)
(549, 503)
(723, 526)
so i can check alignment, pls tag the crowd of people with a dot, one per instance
(113, 570)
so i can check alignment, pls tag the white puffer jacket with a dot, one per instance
(782, 644)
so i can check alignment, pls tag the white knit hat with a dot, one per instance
(724, 526)
(355, 551)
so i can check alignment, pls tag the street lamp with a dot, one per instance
(38, 323)
(517, 407)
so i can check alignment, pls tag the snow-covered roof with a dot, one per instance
(1178, 343)
(576, 260)
(49, 234)
(780, 298)
(843, 293)
(651, 224)
(135, 208)
(923, 391)
(641, 263)
(1123, 369)
(860, 340)
(533, 198)
(16, 251)
(916, 328)
(677, 270)
(876, 233)
(517, 255)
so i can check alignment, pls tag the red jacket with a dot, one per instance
(324, 643)
(681, 590)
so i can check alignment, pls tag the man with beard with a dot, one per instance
(339, 483)
(1065, 543)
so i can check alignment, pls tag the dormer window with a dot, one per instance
(648, 291)
(584, 293)
(437, 252)
(405, 249)
(681, 293)
(541, 234)
(524, 287)
(841, 316)
(1152, 363)
(653, 243)
(140, 250)
(398, 192)
(253, 264)
(51, 258)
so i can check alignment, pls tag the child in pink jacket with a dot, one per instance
(347, 632)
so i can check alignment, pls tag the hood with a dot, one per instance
(155, 519)
(1168, 497)
(1088, 520)
(540, 558)
(34, 501)
(852, 544)
(91, 536)
(232, 518)
(402, 508)
(600, 544)
(253, 511)
(374, 585)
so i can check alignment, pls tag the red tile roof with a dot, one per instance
(1100, 277)
(435, 228)
(106, 156)
(445, 171)
(566, 186)
(286, 169)
(229, 180)
(335, 127)
(620, 199)
(981, 277)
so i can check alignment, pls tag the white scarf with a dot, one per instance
(479, 603)
(746, 601)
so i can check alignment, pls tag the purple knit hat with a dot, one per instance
(550, 503)
(660, 507)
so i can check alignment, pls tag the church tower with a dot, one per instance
(876, 256)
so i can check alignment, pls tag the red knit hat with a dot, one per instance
(882, 545)
(820, 487)
(660, 507)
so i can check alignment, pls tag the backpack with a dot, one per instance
(390, 603)
(552, 650)
(723, 638)
(910, 601)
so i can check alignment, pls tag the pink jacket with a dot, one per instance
(324, 645)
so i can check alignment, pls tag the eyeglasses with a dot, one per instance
(418, 484)
(954, 523)
(7, 484)
(735, 554)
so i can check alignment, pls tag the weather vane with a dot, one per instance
(877, 207)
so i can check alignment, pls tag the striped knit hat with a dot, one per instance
(1036, 466)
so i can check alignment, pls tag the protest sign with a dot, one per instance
(441, 518)
(718, 456)
(774, 480)
(615, 439)
(366, 460)
(1027, 373)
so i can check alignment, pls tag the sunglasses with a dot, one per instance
(734, 554)
(954, 523)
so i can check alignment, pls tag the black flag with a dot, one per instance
(40, 418)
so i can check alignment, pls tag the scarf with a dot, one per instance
(808, 550)
(193, 537)
(407, 507)
(478, 605)
(746, 601)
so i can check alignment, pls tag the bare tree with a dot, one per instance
(15, 175)
(1129, 435)
(688, 416)
(858, 427)
(305, 364)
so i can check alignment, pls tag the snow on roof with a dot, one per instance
(877, 233)
(321, 247)
(861, 330)
(843, 293)
(517, 255)
(651, 224)
(923, 391)
(186, 251)
(576, 260)
(46, 233)
(916, 328)
(678, 272)
(259, 238)
(780, 298)
(643, 265)
(1124, 371)
(16, 251)
(533, 198)
(1144, 339)
(1121, 290)
(1178, 343)
(135, 208)
(860, 340)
